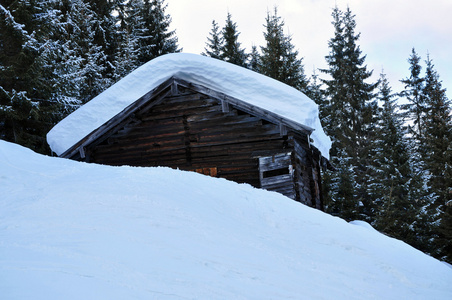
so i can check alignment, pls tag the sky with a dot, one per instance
(389, 30)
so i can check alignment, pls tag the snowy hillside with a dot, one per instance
(72, 230)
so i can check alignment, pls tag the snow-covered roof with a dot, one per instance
(240, 83)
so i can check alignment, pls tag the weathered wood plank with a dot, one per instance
(219, 119)
(185, 105)
(273, 162)
(277, 180)
(191, 96)
(103, 132)
(193, 132)
(249, 108)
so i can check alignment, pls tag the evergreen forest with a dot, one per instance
(391, 162)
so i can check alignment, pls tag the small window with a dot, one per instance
(277, 172)
(271, 167)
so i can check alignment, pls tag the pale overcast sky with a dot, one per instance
(389, 29)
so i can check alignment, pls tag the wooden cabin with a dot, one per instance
(185, 124)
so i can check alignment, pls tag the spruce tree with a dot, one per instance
(230, 49)
(87, 29)
(58, 31)
(131, 30)
(335, 87)
(314, 91)
(271, 62)
(340, 188)
(438, 129)
(156, 39)
(279, 59)
(390, 186)
(60, 66)
(444, 232)
(76, 40)
(414, 112)
(362, 117)
(214, 42)
(19, 86)
(333, 119)
(436, 147)
(253, 63)
(105, 36)
(126, 58)
(414, 85)
(351, 111)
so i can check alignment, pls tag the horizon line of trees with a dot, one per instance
(393, 162)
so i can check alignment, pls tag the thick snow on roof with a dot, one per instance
(232, 80)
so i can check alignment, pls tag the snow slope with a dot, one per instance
(71, 230)
(217, 75)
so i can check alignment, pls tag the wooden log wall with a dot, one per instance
(307, 175)
(317, 179)
(190, 131)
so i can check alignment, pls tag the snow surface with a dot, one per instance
(71, 230)
(218, 75)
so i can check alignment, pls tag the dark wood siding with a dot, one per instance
(178, 127)
(306, 174)
(191, 132)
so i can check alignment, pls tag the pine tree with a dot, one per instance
(105, 36)
(413, 93)
(271, 60)
(19, 100)
(437, 124)
(131, 30)
(335, 87)
(230, 49)
(414, 114)
(438, 130)
(279, 59)
(339, 189)
(445, 229)
(254, 57)
(333, 119)
(60, 63)
(351, 111)
(214, 42)
(362, 118)
(391, 184)
(156, 39)
(314, 91)
(126, 58)
(86, 29)
(75, 41)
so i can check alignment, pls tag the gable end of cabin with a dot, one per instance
(187, 126)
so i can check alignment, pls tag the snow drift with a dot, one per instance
(71, 230)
